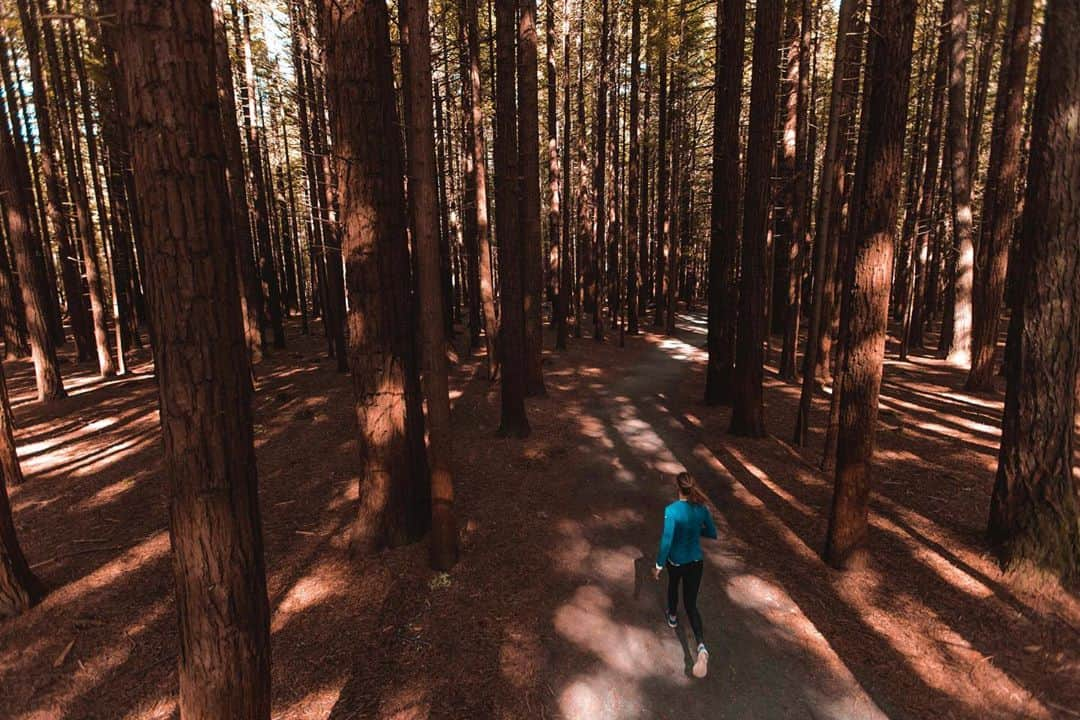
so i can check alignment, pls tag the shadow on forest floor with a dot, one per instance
(552, 611)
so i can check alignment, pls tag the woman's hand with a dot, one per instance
(656, 572)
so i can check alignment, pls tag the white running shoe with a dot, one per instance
(701, 666)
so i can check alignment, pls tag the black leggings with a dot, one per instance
(690, 575)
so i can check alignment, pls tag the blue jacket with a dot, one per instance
(684, 524)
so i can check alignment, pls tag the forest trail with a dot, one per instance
(551, 612)
(767, 659)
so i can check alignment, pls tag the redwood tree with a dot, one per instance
(395, 496)
(529, 160)
(1001, 197)
(18, 203)
(420, 140)
(748, 411)
(514, 422)
(168, 65)
(1035, 508)
(959, 343)
(19, 587)
(724, 224)
(866, 297)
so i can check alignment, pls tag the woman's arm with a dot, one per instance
(708, 529)
(665, 539)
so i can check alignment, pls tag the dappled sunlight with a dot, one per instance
(324, 582)
(316, 705)
(95, 665)
(161, 708)
(634, 653)
(148, 550)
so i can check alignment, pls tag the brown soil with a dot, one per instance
(548, 613)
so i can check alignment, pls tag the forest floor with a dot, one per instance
(552, 612)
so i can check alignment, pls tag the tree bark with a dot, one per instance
(19, 587)
(1000, 198)
(724, 226)
(513, 422)
(420, 138)
(395, 494)
(168, 63)
(1035, 507)
(845, 82)
(251, 295)
(748, 411)
(867, 296)
(477, 239)
(633, 256)
(529, 199)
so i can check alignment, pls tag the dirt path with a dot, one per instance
(767, 659)
(550, 613)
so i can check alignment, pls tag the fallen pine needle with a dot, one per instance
(63, 655)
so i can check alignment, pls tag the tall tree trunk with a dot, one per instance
(1000, 198)
(585, 234)
(845, 81)
(529, 160)
(98, 305)
(784, 240)
(268, 277)
(663, 213)
(395, 495)
(566, 257)
(959, 347)
(513, 421)
(599, 189)
(179, 168)
(17, 205)
(19, 587)
(748, 412)
(80, 318)
(16, 343)
(981, 82)
(477, 239)
(678, 132)
(1035, 507)
(420, 137)
(633, 255)
(915, 315)
(251, 295)
(866, 298)
(724, 220)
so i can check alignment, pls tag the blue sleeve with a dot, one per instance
(666, 538)
(708, 529)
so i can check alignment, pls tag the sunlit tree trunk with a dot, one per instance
(827, 231)
(1001, 197)
(395, 494)
(633, 255)
(866, 297)
(959, 346)
(663, 210)
(1035, 508)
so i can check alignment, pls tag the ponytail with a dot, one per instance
(689, 487)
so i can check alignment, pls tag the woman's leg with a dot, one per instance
(673, 574)
(691, 584)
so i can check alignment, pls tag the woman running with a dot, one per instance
(685, 521)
